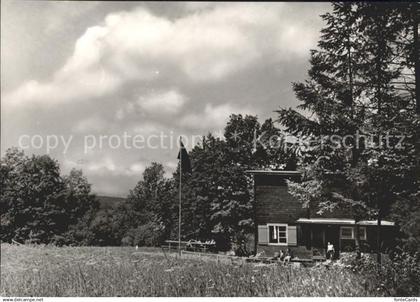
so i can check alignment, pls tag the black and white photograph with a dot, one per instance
(210, 149)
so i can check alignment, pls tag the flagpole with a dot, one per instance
(180, 198)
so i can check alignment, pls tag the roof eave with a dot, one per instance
(342, 221)
(274, 172)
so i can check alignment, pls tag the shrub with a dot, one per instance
(149, 234)
(127, 241)
(403, 274)
(398, 276)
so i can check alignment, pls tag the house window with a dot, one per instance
(277, 234)
(346, 233)
(362, 233)
(349, 233)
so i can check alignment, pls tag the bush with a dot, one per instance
(398, 276)
(58, 240)
(127, 241)
(403, 274)
(149, 234)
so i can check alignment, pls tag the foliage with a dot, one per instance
(37, 203)
(356, 89)
(217, 196)
(31, 197)
(149, 234)
(146, 218)
(398, 275)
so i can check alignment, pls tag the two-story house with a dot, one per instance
(282, 223)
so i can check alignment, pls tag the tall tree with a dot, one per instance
(32, 197)
(151, 202)
(217, 196)
(81, 207)
(351, 91)
(38, 204)
(335, 100)
(384, 68)
(79, 198)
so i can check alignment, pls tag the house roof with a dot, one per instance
(375, 222)
(343, 221)
(273, 172)
(325, 221)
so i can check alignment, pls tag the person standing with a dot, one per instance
(330, 251)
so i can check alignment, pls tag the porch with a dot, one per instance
(316, 233)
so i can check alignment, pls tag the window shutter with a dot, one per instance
(292, 235)
(262, 234)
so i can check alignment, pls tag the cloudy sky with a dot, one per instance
(90, 69)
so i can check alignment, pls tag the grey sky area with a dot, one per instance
(103, 68)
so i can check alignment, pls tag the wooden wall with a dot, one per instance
(276, 205)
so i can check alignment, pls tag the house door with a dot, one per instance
(332, 235)
(318, 242)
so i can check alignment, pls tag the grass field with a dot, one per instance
(123, 271)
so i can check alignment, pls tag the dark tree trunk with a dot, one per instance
(416, 57)
(255, 218)
(378, 236)
(417, 89)
(357, 240)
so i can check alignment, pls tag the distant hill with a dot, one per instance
(110, 202)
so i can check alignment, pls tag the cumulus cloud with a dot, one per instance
(169, 102)
(146, 72)
(147, 128)
(205, 45)
(94, 123)
(213, 117)
(108, 165)
(152, 104)
(65, 87)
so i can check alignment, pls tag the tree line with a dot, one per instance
(41, 206)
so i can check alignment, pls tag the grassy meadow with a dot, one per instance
(123, 271)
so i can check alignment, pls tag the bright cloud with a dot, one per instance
(213, 117)
(108, 165)
(168, 102)
(94, 123)
(161, 103)
(66, 87)
(142, 70)
(206, 45)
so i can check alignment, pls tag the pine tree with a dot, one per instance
(335, 103)
(357, 95)
(384, 68)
